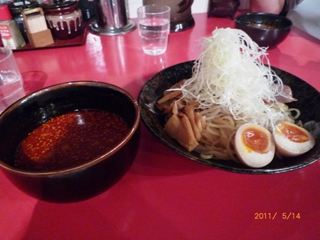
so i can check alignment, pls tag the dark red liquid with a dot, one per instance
(70, 140)
(262, 25)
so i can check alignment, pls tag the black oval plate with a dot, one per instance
(308, 103)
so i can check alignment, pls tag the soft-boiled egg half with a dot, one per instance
(254, 145)
(292, 140)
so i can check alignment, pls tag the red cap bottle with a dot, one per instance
(10, 34)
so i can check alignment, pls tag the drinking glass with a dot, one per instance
(11, 83)
(154, 28)
(181, 17)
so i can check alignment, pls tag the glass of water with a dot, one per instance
(11, 83)
(154, 28)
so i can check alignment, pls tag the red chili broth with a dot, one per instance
(70, 140)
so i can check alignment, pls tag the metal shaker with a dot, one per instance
(111, 18)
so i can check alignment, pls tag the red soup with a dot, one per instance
(70, 140)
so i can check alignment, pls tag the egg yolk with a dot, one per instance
(256, 140)
(293, 133)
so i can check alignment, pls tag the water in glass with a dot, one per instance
(154, 33)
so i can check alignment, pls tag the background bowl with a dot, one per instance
(76, 183)
(266, 29)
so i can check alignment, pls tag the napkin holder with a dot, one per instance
(37, 31)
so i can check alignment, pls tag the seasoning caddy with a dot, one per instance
(16, 8)
(9, 31)
(37, 30)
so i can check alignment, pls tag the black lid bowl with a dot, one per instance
(267, 30)
(79, 182)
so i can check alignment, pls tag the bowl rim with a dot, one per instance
(276, 16)
(54, 173)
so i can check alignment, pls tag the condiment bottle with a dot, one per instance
(64, 18)
(16, 9)
(9, 31)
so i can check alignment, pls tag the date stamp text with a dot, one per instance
(277, 215)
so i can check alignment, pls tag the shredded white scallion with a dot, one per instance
(234, 72)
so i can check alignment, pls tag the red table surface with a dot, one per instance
(164, 195)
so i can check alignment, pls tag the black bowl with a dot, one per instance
(75, 183)
(266, 29)
(308, 104)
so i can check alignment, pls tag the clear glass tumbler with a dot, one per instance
(154, 28)
(11, 83)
